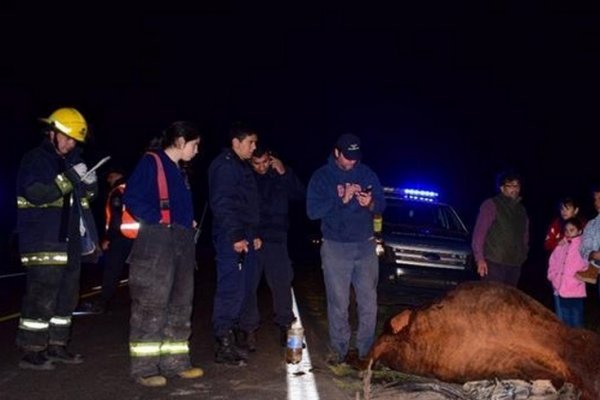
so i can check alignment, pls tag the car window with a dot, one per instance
(422, 215)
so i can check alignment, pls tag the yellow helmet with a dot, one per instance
(68, 121)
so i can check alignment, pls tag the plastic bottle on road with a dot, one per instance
(295, 341)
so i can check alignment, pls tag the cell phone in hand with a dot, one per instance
(368, 189)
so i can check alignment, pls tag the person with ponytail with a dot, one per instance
(162, 259)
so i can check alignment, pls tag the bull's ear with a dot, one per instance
(400, 321)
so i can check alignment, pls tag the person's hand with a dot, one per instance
(81, 169)
(91, 178)
(364, 198)
(240, 246)
(257, 242)
(348, 191)
(277, 165)
(76, 172)
(482, 268)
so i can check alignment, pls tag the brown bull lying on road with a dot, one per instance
(488, 330)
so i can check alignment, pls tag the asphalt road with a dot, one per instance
(103, 340)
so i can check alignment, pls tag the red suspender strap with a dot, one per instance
(163, 191)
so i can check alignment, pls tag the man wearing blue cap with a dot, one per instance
(345, 194)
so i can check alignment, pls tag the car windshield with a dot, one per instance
(419, 216)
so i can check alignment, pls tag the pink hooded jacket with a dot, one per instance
(565, 261)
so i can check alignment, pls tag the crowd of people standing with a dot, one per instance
(501, 246)
(150, 225)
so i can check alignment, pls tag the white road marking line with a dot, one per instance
(300, 378)
(12, 275)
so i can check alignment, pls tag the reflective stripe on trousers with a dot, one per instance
(60, 321)
(34, 325)
(38, 325)
(152, 349)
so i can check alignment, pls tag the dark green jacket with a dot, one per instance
(506, 240)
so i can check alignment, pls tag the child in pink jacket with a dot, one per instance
(565, 262)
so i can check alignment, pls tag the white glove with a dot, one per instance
(81, 169)
(90, 178)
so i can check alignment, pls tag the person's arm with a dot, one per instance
(224, 199)
(553, 265)
(39, 186)
(580, 264)
(141, 192)
(485, 219)
(324, 198)
(589, 240)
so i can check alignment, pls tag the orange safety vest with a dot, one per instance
(129, 226)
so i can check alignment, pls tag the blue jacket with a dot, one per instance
(275, 192)
(343, 222)
(141, 194)
(233, 198)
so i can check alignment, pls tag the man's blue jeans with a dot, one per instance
(346, 264)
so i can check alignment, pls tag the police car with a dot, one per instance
(422, 242)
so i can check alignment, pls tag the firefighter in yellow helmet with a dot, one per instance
(56, 228)
(69, 122)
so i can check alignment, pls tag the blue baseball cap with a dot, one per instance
(349, 145)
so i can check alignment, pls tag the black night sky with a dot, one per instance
(442, 94)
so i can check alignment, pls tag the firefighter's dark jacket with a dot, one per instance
(233, 197)
(48, 193)
(275, 192)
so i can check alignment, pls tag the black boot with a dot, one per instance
(35, 360)
(57, 353)
(228, 353)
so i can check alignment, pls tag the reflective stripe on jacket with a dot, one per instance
(128, 226)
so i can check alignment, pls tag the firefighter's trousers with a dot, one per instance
(51, 296)
(161, 282)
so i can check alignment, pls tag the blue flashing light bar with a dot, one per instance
(413, 194)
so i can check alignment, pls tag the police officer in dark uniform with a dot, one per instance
(277, 185)
(233, 200)
(56, 228)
